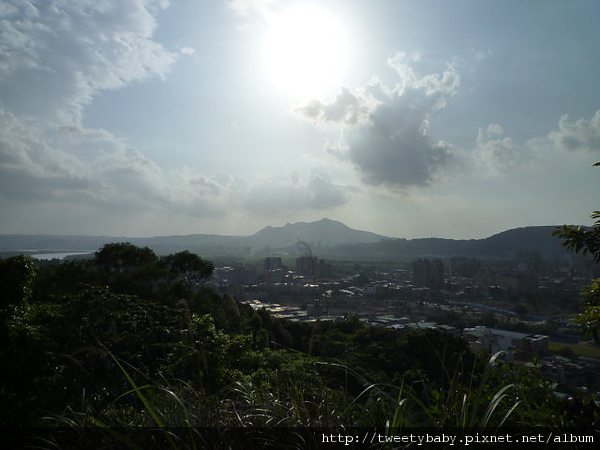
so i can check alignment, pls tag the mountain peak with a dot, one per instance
(322, 232)
(325, 220)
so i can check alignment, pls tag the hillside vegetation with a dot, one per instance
(131, 339)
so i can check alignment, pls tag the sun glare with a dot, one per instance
(305, 51)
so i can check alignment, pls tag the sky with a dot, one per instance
(408, 118)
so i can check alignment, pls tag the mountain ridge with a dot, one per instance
(327, 237)
(327, 231)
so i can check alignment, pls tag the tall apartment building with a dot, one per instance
(463, 267)
(428, 273)
(309, 267)
(306, 266)
(274, 270)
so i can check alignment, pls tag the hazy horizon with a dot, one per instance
(411, 119)
(118, 236)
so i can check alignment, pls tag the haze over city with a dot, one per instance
(405, 118)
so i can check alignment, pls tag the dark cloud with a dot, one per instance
(385, 129)
(396, 155)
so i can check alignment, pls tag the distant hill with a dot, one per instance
(201, 243)
(327, 238)
(325, 232)
(539, 239)
(502, 245)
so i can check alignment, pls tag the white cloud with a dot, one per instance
(580, 135)
(432, 84)
(68, 166)
(251, 8)
(42, 160)
(495, 152)
(347, 108)
(292, 192)
(480, 55)
(571, 143)
(57, 55)
(31, 167)
(187, 51)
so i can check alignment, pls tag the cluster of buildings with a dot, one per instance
(312, 292)
(569, 374)
(426, 279)
(273, 271)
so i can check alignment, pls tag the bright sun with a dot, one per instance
(305, 51)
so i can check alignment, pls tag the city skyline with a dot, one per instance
(408, 119)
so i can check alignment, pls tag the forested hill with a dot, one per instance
(502, 245)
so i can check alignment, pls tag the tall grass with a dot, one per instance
(472, 400)
(158, 412)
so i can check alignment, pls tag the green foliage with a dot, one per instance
(124, 256)
(53, 347)
(580, 239)
(591, 294)
(17, 278)
(187, 266)
(285, 391)
(69, 277)
(17, 275)
(590, 319)
(586, 241)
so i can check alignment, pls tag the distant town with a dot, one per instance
(522, 307)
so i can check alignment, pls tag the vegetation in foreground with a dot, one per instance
(129, 340)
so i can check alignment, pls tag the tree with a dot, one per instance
(17, 275)
(127, 268)
(69, 276)
(586, 240)
(124, 256)
(187, 267)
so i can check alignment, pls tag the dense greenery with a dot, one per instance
(82, 340)
(586, 240)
